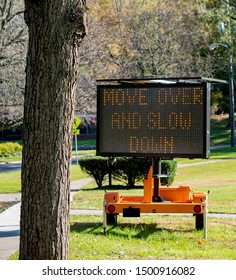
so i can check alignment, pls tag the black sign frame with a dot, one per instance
(143, 92)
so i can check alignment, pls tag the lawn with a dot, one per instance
(219, 178)
(220, 130)
(10, 181)
(151, 237)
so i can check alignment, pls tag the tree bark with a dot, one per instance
(56, 29)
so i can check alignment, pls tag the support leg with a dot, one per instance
(205, 218)
(156, 174)
(104, 218)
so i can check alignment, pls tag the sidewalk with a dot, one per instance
(10, 221)
(9, 231)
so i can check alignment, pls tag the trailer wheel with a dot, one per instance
(199, 221)
(112, 219)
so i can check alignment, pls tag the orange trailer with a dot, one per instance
(157, 199)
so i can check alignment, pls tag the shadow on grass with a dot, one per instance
(139, 231)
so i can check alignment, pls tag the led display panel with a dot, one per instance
(154, 120)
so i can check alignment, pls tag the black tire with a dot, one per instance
(199, 221)
(112, 219)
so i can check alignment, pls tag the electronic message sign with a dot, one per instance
(154, 120)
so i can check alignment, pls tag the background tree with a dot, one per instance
(171, 39)
(144, 38)
(56, 30)
(136, 39)
(222, 17)
(13, 41)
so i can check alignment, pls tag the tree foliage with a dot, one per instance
(13, 44)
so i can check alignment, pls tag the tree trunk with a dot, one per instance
(56, 30)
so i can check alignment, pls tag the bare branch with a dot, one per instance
(229, 3)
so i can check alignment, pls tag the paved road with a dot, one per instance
(7, 167)
(13, 166)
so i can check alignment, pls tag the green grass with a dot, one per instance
(85, 142)
(18, 158)
(84, 152)
(91, 197)
(151, 237)
(10, 182)
(221, 153)
(220, 130)
(216, 153)
(76, 173)
(11, 158)
(219, 178)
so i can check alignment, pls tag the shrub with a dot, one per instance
(128, 170)
(168, 167)
(131, 170)
(96, 167)
(10, 149)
